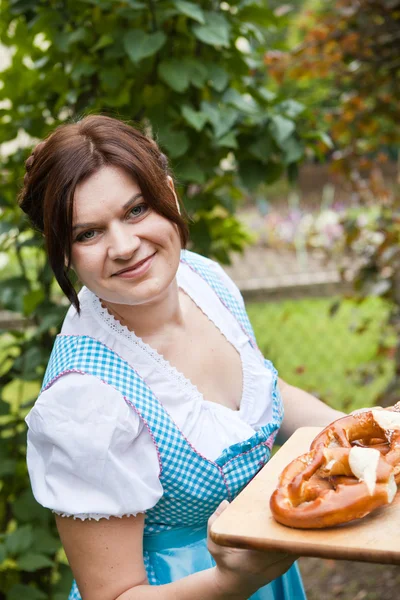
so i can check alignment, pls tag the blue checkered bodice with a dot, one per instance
(193, 485)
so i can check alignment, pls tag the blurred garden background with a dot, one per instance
(281, 124)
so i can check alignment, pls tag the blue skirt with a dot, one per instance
(174, 554)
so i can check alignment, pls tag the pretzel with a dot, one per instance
(352, 468)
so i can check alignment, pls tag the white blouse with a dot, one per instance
(89, 455)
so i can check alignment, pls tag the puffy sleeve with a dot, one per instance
(89, 455)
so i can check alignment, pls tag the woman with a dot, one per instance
(156, 406)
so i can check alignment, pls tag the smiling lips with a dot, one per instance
(136, 269)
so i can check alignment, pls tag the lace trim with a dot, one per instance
(94, 516)
(129, 336)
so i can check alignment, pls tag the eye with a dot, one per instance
(138, 210)
(86, 236)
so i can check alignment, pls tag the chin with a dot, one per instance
(150, 293)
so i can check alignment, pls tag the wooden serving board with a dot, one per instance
(248, 522)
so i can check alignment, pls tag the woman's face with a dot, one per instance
(122, 250)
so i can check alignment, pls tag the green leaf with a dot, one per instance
(25, 592)
(32, 300)
(175, 142)
(196, 119)
(281, 128)
(175, 74)
(77, 35)
(12, 291)
(223, 120)
(45, 542)
(228, 140)
(28, 362)
(27, 510)
(291, 108)
(261, 15)
(215, 31)
(178, 74)
(139, 45)
(245, 103)
(324, 138)
(293, 150)
(191, 172)
(19, 540)
(190, 10)
(32, 562)
(217, 77)
(82, 70)
(266, 94)
(53, 319)
(104, 41)
(262, 148)
(198, 71)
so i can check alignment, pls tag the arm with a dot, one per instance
(303, 410)
(106, 558)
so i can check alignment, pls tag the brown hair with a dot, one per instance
(71, 154)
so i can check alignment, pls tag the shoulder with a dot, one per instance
(197, 260)
(78, 400)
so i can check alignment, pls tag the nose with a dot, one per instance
(123, 243)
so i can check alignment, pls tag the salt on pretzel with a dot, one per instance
(351, 469)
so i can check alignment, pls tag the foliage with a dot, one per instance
(192, 75)
(348, 51)
(347, 66)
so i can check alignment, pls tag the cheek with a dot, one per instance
(85, 261)
(174, 242)
(171, 233)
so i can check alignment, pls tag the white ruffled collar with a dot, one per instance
(130, 339)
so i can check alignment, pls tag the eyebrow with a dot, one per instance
(124, 207)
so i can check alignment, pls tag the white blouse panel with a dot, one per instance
(89, 454)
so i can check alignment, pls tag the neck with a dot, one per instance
(152, 318)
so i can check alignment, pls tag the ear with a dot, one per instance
(171, 185)
(71, 266)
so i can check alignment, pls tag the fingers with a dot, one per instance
(224, 504)
(219, 510)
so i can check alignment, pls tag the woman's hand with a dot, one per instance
(240, 572)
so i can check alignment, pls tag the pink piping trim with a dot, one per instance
(140, 416)
(251, 449)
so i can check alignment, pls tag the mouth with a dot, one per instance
(135, 266)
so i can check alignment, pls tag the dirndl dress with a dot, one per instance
(175, 533)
